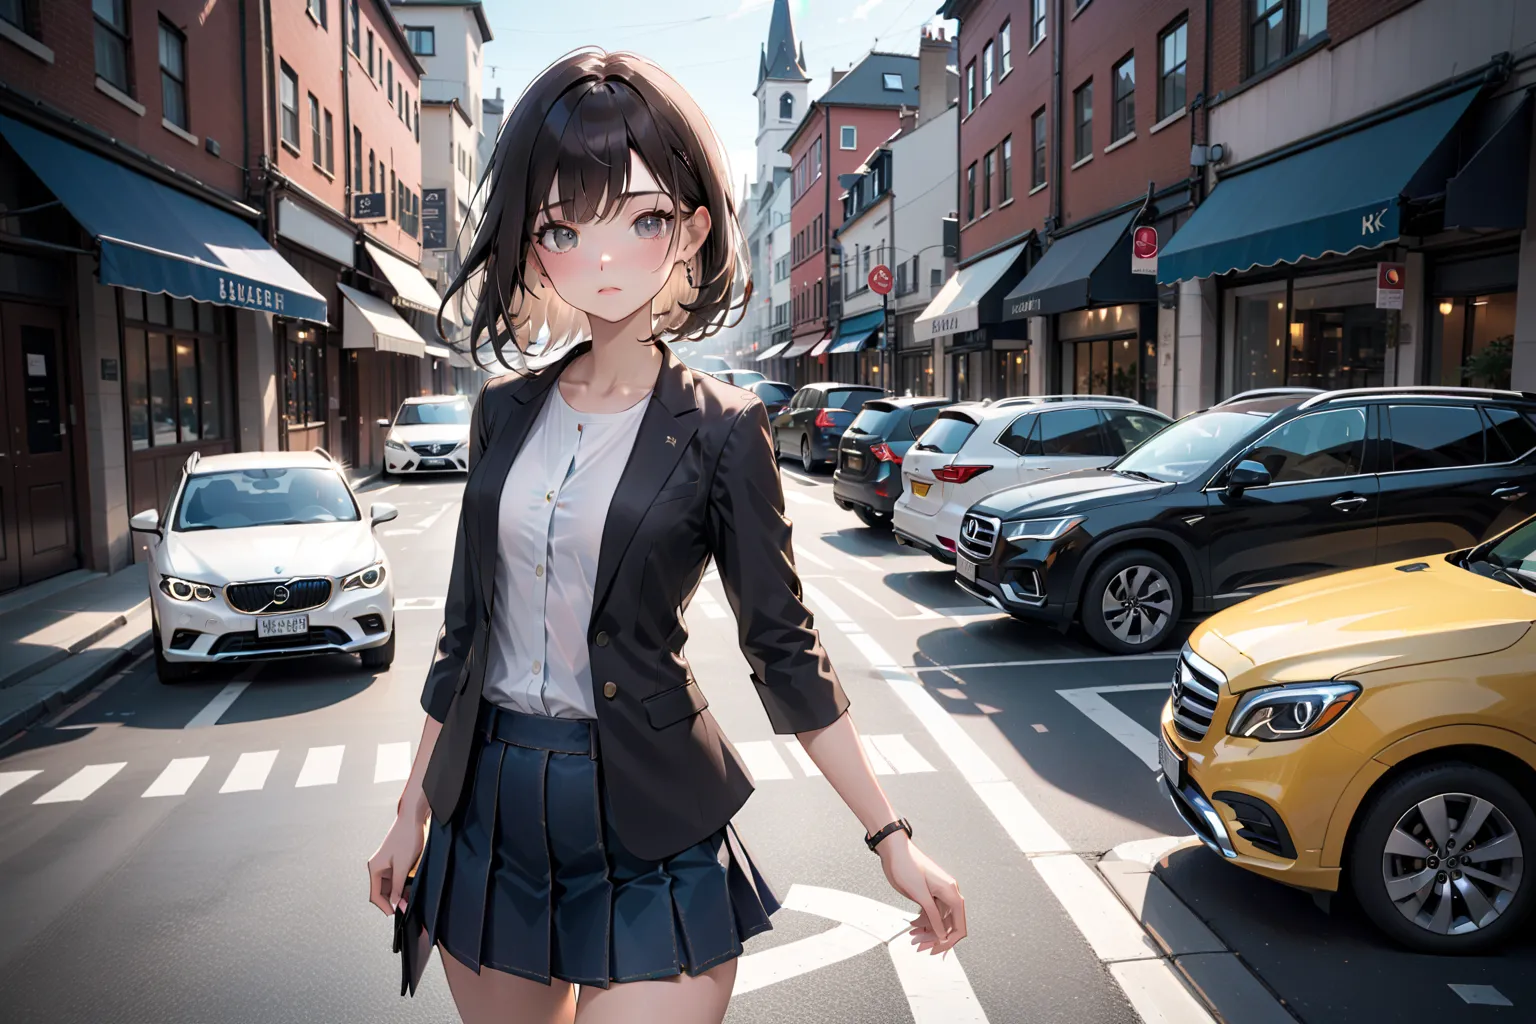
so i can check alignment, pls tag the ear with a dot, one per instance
(695, 230)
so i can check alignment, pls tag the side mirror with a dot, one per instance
(382, 512)
(1246, 474)
(147, 521)
(382, 422)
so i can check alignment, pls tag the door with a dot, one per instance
(37, 470)
(1317, 516)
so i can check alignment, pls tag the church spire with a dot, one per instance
(782, 59)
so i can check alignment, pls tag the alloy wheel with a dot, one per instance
(1452, 864)
(1138, 604)
(806, 462)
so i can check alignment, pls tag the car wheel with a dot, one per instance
(806, 462)
(874, 520)
(1132, 602)
(380, 657)
(169, 672)
(1437, 860)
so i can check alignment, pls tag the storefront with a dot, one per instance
(855, 353)
(383, 357)
(1472, 317)
(983, 354)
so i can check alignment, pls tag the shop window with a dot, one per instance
(1259, 330)
(173, 76)
(305, 371)
(112, 43)
(1338, 338)
(136, 384)
(1012, 373)
(1172, 65)
(1316, 447)
(176, 375)
(183, 318)
(1278, 28)
(1435, 436)
(189, 407)
(1472, 340)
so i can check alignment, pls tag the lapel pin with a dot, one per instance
(671, 440)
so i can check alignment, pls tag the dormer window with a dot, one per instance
(892, 81)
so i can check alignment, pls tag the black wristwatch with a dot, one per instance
(899, 825)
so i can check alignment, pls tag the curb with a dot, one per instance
(61, 654)
(72, 676)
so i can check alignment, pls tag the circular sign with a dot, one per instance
(1392, 277)
(880, 280)
(1144, 243)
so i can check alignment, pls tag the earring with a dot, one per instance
(688, 270)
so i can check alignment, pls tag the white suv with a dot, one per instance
(266, 555)
(975, 448)
(429, 435)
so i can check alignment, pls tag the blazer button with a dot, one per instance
(602, 639)
(610, 690)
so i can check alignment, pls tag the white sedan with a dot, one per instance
(266, 555)
(429, 435)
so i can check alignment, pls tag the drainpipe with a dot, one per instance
(826, 217)
(1050, 358)
(245, 108)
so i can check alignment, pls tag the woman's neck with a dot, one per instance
(620, 367)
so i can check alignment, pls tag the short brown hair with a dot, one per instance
(573, 131)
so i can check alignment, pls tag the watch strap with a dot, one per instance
(899, 825)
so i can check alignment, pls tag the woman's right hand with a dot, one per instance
(392, 862)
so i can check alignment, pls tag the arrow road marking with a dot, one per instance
(1131, 733)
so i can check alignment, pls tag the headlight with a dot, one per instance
(185, 590)
(370, 578)
(390, 442)
(1291, 712)
(1040, 529)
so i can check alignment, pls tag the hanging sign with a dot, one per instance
(1144, 250)
(1389, 285)
(880, 280)
(434, 218)
(370, 206)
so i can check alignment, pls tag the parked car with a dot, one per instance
(812, 425)
(741, 378)
(429, 434)
(266, 555)
(1374, 731)
(774, 393)
(973, 449)
(702, 363)
(1251, 494)
(867, 479)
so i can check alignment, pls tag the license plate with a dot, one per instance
(966, 568)
(282, 625)
(433, 463)
(853, 461)
(920, 488)
(1171, 761)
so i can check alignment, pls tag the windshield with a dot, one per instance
(417, 413)
(947, 435)
(1187, 448)
(850, 398)
(1514, 557)
(265, 497)
(768, 391)
(873, 419)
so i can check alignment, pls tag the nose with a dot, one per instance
(604, 259)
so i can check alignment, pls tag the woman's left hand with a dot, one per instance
(941, 922)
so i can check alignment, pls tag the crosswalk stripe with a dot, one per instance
(250, 772)
(393, 763)
(763, 760)
(877, 761)
(10, 780)
(322, 767)
(177, 777)
(802, 758)
(900, 752)
(81, 784)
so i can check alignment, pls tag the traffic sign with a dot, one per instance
(1144, 250)
(880, 280)
(1390, 279)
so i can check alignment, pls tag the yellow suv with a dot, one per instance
(1375, 731)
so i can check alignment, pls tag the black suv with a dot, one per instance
(813, 423)
(1261, 490)
(868, 475)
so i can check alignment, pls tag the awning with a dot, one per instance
(972, 295)
(1336, 197)
(411, 286)
(822, 346)
(1488, 191)
(855, 331)
(771, 351)
(800, 348)
(438, 351)
(156, 239)
(370, 322)
(1089, 267)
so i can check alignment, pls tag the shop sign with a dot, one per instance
(1144, 250)
(880, 280)
(1024, 307)
(1390, 278)
(434, 218)
(967, 319)
(369, 206)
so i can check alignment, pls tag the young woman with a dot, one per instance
(575, 792)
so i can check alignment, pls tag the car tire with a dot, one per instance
(380, 657)
(1404, 810)
(1132, 603)
(169, 672)
(872, 519)
(807, 463)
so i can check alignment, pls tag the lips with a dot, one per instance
(610, 290)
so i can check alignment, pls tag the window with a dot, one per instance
(1037, 149)
(1172, 61)
(786, 107)
(175, 377)
(1072, 432)
(423, 41)
(816, 158)
(970, 193)
(373, 181)
(20, 14)
(290, 104)
(891, 82)
(1513, 435)
(394, 195)
(970, 87)
(1278, 28)
(330, 144)
(987, 164)
(848, 137)
(389, 81)
(314, 131)
(112, 42)
(1128, 429)
(1017, 437)
(1005, 49)
(1435, 436)
(357, 21)
(1005, 180)
(173, 76)
(357, 159)
(370, 53)
(317, 11)
(1123, 116)
(986, 69)
(1036, 22)
(816, 311)
(1082, 122)
(1321, 446)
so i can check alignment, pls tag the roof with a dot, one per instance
(781, 59)
(864, 86)
(1034, 403)
(477, 9)
(260, 460)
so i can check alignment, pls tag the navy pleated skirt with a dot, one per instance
(529, 877)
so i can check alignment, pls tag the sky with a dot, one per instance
(710, 46)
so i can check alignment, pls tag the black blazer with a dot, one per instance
(701, 482)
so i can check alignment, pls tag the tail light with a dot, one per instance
(882, 451)
(959, 474)
(826, 418)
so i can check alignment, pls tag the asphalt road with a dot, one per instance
(238, 893)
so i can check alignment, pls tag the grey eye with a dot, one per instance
(558, 238)
(651, 226)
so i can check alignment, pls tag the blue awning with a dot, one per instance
(854, 332)
(1336, 197)
(1087, 267)
(156, 239)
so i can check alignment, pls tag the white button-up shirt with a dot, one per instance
(550, 529)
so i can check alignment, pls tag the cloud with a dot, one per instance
(748, 6)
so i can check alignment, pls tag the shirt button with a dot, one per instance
(602, 641)
(549, 495)
(610, 690)
(538, 570)
(536, 667)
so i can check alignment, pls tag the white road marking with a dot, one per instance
(1039, 728)
(797, 498)
(900, 752)
(1132, 734)
(419, 604)
(951, 693)
(1481, 995)
(322, 767)
(1158, 996)
(801, 758)
(758, 970)
(834, 612)
(215, 708)
(876, 761)
(177, 777)
(802, 554)
(763, 760)
(967, 612)
(1105, 659)
(81, 784)
(1109, 928)
(393, 762)
(431, 520)
(250, 772)
(10, 780)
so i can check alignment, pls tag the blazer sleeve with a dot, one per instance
(750, 540)
(461, 605)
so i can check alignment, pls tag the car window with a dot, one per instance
(1187, 448)
(801, 400)
(873, 420)
(1128, 428)
(1016, 438)
(265, 497)
(770, 392)
(417, 413)
(851, 398)
(947, 435)
(1512, 436)
(922, 419)
(1435, 436)
(1071, 432)
(1314, 447)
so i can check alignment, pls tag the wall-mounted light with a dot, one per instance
(1446, 305)
(302, 334)
(1279, 305)
(1296, 331)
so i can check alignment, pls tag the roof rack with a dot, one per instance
(1047, 399)
(322, 453)
(1417, 389)
(1246, 396)
(191, 463)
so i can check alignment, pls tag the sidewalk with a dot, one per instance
(60, 637)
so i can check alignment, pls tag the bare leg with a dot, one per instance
(680, 1000)
(496, 997)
